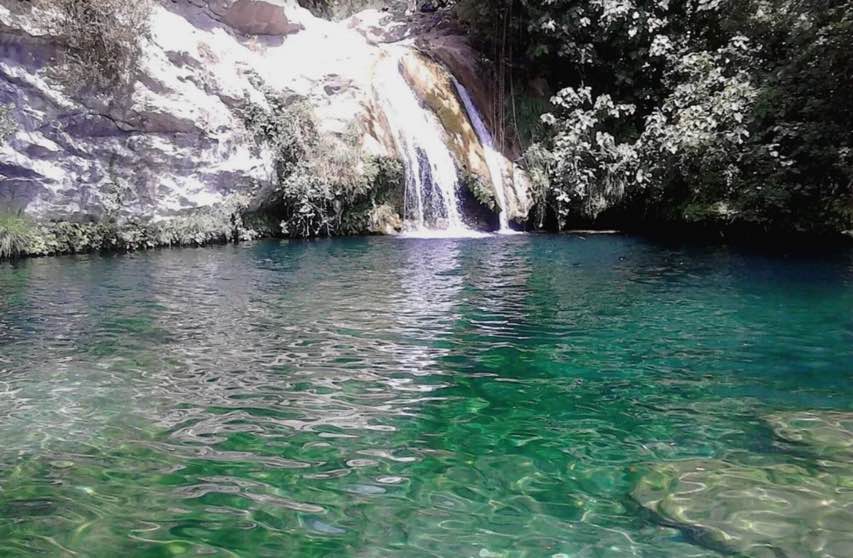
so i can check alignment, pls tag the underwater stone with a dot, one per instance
(828, 434)
(777, 510)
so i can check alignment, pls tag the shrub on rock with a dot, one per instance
(102, 38)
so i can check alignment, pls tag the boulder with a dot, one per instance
(259, 17)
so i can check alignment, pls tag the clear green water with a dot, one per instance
(382, 397)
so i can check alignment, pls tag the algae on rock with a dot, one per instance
(206, 225)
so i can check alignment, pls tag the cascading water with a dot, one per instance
(493, 158)
(431, 204)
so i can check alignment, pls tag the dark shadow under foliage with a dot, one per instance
(723, 114)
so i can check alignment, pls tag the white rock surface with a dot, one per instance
(174, 141)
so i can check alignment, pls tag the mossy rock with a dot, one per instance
(208, 225)
(772, 511)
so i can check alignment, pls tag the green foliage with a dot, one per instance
(102, 39)
(381, 204)
(7, 125)
(320, 178)
(16, 236)
(691, 151)
(342, 9)
(482, 192)
(210, 225)
(803, 129)
(525, 113)
(588, 167)
(740, 110)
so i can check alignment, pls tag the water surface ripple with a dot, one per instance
(507, 396)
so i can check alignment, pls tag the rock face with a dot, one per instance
(432, 81)
(257, 17)
(174, 141)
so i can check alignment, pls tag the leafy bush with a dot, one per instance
(692, 147)
(102, 38)
(741, 107)
(381, 205)
(588, 168)
(319, 178)
(341, 9)
(16, 236)
(482, 192)
(7, 125)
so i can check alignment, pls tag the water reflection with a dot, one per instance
(425, 308)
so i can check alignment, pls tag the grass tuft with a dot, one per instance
(16, 236)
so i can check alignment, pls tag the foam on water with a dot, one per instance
(444, 233)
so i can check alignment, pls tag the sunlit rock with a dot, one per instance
(777, 510)
(445, 50)
(433, 85)
(385, 219)
(174, 139)
(258, 17)
(826, 434)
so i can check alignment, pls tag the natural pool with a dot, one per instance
(513, 396)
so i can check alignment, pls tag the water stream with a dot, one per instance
(431, 203)
(493, 157)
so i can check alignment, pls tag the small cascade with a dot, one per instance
(493, 157)
(431, 203)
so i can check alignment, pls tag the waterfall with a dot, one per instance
(431, 203)
(494, 160)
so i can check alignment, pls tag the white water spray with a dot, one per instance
(493, 157)
(431, 203)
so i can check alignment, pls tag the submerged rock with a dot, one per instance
(772, 510)
(778, 510)
(827, 434)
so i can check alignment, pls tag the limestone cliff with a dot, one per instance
(173, 141)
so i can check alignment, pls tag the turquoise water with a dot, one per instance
(513, 397)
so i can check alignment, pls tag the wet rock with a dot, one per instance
(428, 7)
(433, 84)
(777, 510)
